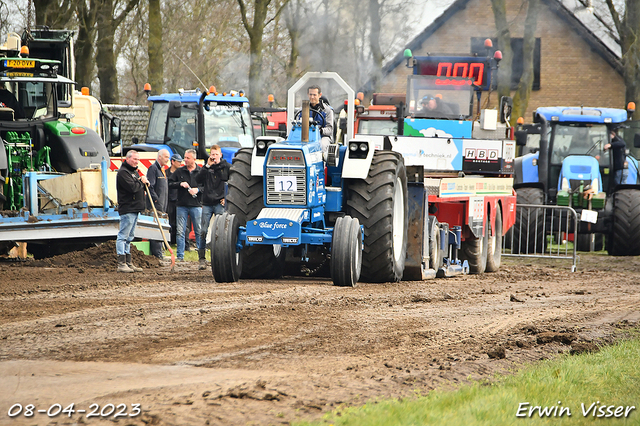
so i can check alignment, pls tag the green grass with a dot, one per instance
(611, 376)
(189, 256)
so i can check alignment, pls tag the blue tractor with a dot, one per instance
(286, 203)
(192, 119)
(564, 162)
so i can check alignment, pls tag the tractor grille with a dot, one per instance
(286, 185)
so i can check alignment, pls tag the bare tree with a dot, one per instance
(84, 49)
(628, 28)
(156, 60)
(499, 8)
(54, 13)
(523, 92)
(260, 12)
(107, 25)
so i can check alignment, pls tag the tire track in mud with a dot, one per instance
(299, 347)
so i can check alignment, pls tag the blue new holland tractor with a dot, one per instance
(564, 162)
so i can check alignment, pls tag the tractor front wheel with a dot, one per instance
(346, 252)
(226, 262)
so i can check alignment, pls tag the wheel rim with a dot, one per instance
(398, 220)
(491, 240)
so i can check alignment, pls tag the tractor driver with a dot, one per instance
(431, 106)
(322, 107)
(7, 100)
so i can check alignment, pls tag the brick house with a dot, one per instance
(579, 63)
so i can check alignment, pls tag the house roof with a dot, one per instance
(595, 27)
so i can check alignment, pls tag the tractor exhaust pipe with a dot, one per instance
(305, 121)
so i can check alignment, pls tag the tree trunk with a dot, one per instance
(523, 93)
(156, 60)
(107, 61)
(84, 44)
(374, 43)
(504, 44)
(631, 53)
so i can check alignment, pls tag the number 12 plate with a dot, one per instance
(286, 183)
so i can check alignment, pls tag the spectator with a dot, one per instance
(619, 154)
(131, 201)
(159, 190)
(176, 162)
(212, 176)
(189, 202)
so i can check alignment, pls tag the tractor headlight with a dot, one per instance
(353, 147)
(364, 147)
(261, 145)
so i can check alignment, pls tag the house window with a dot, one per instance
(477, 48)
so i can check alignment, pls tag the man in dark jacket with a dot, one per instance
(176, 163)
(159, 190)
(618, 154)
(131, 201)
(212, 176)
(189, 200)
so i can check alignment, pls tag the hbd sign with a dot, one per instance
(481, 154)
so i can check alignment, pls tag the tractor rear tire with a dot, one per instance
(379, 202)
(226, 262)
(346, 252)
(475, 250)
(584, 242)
(246, 200)
(625, 232)
(494, 248)
(528, 232)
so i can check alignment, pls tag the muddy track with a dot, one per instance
(191, 351)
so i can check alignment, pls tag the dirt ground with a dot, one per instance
(190, 351)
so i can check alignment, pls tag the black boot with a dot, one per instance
(202, 261)
(131, 265)
(122, 264)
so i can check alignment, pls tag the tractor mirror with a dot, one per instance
(521, 137)
(175, 109)
(636, 140)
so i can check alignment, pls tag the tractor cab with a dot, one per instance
(197, 120)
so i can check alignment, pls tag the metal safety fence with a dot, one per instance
(543, 232)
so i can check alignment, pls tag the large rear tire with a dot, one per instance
(226, 262)
(379, 202)
(246, 200)
(584, 242)
(346, 252)
(528, 232)
(475, 250)
(625, 232)
(494, 248)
